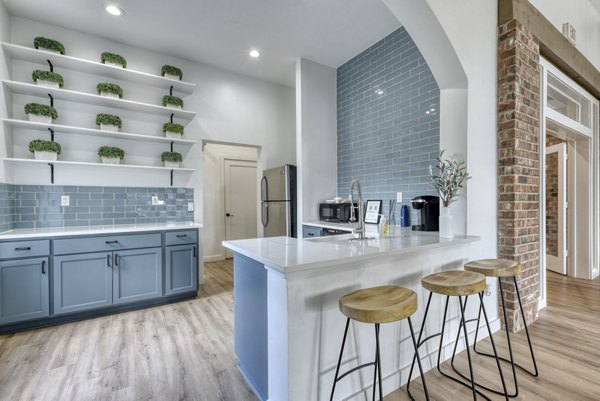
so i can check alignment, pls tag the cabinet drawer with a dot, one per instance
(311, 231)
(105, 243)
(24, 249)
(182, 237)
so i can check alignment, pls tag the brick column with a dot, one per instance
(518, 165)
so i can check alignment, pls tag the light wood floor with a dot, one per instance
(184, 351)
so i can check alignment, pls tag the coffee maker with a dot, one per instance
(428, 207)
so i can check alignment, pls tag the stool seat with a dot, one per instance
(455, 283)
(379, 304)
(494, 267)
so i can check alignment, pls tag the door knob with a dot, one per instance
(228, 215)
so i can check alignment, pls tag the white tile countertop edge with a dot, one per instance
(21, 233)
(291, 255)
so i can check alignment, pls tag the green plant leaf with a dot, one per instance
(40, 145)
(111, 152)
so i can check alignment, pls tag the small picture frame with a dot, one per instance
(372, 212)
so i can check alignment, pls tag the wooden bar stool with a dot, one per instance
(456, 283)
(377, 305)
(501, 268)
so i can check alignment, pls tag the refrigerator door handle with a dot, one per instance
(264, 189)
(264, 213)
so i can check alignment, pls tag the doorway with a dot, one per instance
(568, 179)
(230, 185)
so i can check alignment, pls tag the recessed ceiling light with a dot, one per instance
(114, 10)
(254, 53)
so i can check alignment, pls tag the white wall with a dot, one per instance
(214, 194)
(583, 16)
(4, 74)
(230, 107)
(316, 137)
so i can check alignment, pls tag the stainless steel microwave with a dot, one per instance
(334, 212)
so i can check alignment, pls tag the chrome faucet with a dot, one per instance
(361, 211)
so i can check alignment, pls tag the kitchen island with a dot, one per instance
(288, 329)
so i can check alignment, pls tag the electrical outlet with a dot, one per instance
(488, 290)
(65, 200)
(190, 206)
(399, 197)
(155, 200)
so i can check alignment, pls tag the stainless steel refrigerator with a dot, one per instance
(278, 201)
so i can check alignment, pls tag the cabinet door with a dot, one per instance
(24, 290)
(82, 282)
(181, 269)
(137, 275)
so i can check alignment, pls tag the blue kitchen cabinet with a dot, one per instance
(181, 269)
(83, 281)
(24, 290)
(311, 231)
(137, 275)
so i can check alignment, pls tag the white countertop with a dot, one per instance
(287, 255)
(20, 233)
(335, 226)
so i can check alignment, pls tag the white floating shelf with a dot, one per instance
(87, 164)
(81, 97)
(12, 123)
(93, 67)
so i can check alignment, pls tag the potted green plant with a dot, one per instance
(171, 159)
(47, 79)
(45, 150)
(108, 122)
(111, 155)
(48, 45)
(113, 59)
(172, 102)
(170, 72)
(109, 90)
(40, 113)
(173, 131)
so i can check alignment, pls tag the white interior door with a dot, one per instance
(241, 200)
(556, 208)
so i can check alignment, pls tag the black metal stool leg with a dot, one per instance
(378, 364)
(442, 334)
(535, 372)
(419, 343)
(464, 325)
(376, 360)
(337, 370)
(412, 334)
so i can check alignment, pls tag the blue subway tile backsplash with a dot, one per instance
(39, 206)
(388, 121)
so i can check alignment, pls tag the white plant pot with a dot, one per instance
(109, 94)
(173, 77)
(47, 84)
(49, 50)
(173, 135)
(36, 118)
(111, 160)
(117, 65)
(45, 155)
(172, 164)
(109, 127)
(172, 106)
(446, 223)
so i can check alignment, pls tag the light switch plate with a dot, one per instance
(65, 200)
(190, 206)
(399, 197)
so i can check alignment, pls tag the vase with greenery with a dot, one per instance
(171, 159)
(173, 131)
(170, 72)
(448, 176)
(108, 122)
(111, 155)
(45, 150)
(48, 45)
(40, 113)
(108, 89)
(47, 79)
(113, 59)
(172, 102)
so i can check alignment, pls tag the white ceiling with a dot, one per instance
(221, 32)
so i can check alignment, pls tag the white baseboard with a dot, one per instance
(213, 258)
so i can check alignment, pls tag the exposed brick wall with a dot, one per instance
(552, 197)
(518, 165)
